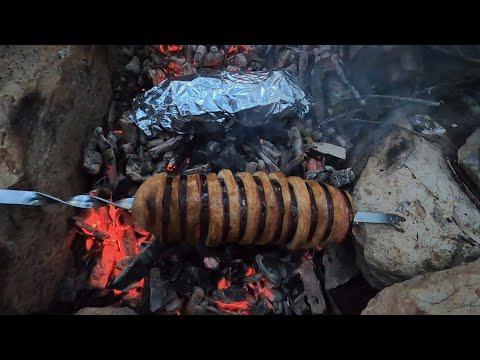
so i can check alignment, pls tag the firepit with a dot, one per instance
(246, 165)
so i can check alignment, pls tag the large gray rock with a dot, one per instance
(51, 97)
(106, 311)
(469, 157)
(455, 291)
(408, 175)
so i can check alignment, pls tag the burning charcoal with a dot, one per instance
(339, 178)
(339, 263)
(133, 66)
(123, 263)
(312, 288)
(210, 263)
(139, 266)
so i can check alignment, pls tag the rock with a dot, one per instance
(106, 311)
(133, 66)
(48, 103)
(408, 175)
(469, 157)
(455, 291)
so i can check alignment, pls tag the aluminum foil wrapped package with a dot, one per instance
(205, 103)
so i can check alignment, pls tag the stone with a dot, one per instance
(109, 310)
(133, 66)
(454, 291)
(408, 175)
(48, 102)
(469, 157)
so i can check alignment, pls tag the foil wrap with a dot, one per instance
(216, 101)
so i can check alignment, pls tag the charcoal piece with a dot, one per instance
(230, 294)
(196, 304)
(339, 178)
(211, 263)
(312, 293)
(139, 266)
(197, 103)
(271, 150)
(198, 169)
(339, 263)
(253, 278)
(92, 159)
(251, 167)
(130, 130)
(168, 145)
(158, 291)
(300, 305)
(236, 271)
(273, 270)
(261, 307)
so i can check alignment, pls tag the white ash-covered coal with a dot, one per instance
(326, 136)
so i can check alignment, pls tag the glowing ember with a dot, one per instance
(174, 68)
(158, 77)
(119, 241)
(171, 167)
(250, 271)
(168, 49)
(223, 284)
(235, 306)
(235, 49)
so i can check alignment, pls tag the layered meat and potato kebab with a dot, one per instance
(244, 208)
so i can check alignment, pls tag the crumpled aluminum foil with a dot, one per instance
(205, 103)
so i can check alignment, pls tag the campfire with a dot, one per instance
(231, 179)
